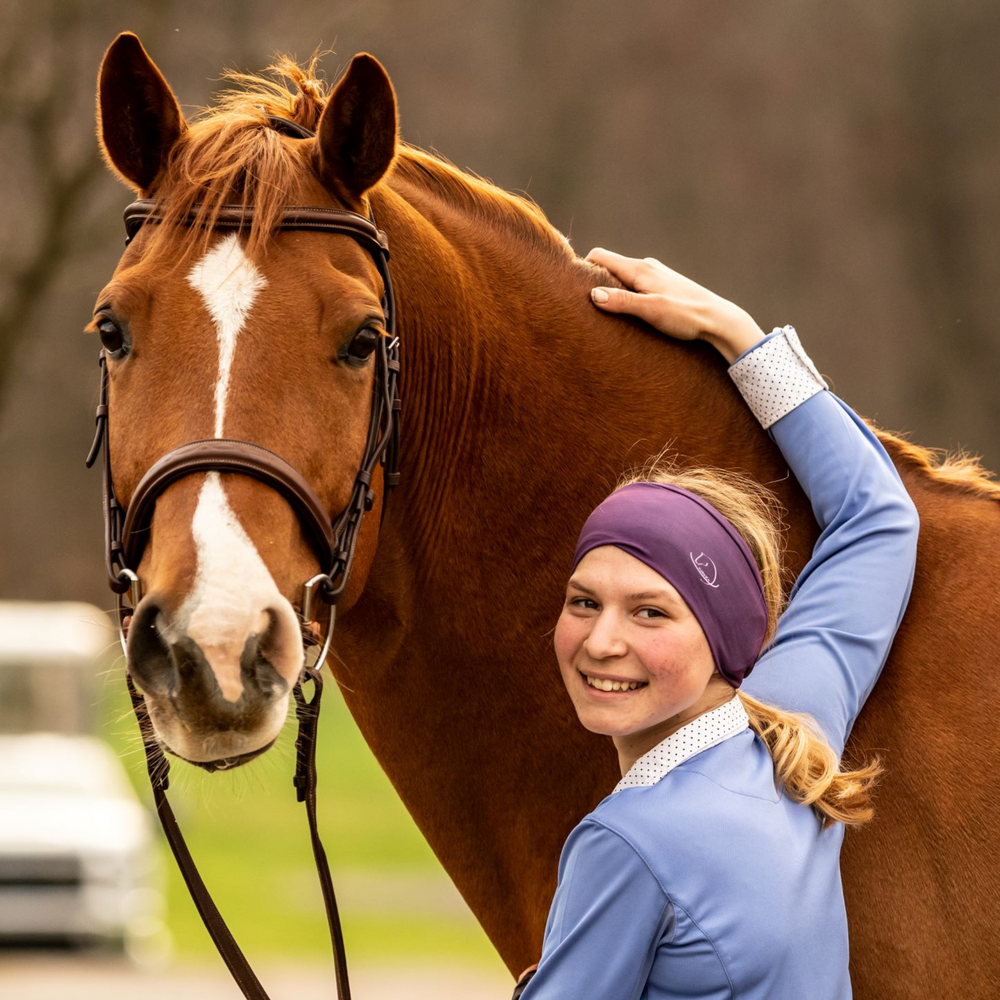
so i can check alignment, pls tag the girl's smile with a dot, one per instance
(606, 685)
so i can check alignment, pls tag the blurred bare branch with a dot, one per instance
(43, 89)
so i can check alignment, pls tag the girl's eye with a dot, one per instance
(582, 602)
(650, 613)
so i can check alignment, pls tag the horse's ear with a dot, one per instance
(356, 140)
(138, 117)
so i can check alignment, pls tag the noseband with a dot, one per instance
(334, 540)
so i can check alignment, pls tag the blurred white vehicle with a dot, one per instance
(78, 860)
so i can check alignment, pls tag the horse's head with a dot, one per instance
(258, 335)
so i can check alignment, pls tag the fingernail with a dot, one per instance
(599, 294)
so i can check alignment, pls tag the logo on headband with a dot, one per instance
(705, 567)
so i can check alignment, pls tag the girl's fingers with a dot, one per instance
(625, 269)
(618, 300)
(664, 299)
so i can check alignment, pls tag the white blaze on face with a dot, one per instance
(229, 283)
(233, 588)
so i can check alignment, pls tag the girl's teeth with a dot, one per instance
(607, 685)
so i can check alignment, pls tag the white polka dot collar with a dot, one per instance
(699, 734)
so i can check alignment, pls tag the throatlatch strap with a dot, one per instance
(305, 784)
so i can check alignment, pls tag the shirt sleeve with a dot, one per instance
(608, 915)
(847, 603)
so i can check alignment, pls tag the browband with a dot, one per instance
(327, 220)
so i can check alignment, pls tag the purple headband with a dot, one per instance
(692, 546)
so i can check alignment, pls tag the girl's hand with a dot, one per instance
(673, 304)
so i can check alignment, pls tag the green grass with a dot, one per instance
(250, 839)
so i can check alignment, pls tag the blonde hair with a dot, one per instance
(804, 762)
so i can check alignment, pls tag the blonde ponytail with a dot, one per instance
(804, 763)
(807, 767)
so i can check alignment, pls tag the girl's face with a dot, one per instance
(623, 625)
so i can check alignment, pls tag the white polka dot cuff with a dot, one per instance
(706, 731)
(776, 376)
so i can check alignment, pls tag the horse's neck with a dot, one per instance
(516, 386)
(522, 404)
(478, 313)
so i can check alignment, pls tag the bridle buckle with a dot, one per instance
(310, 594)
(134, 587)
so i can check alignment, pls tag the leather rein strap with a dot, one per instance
(158, 768)
(334, 541)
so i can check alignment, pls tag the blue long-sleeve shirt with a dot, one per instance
(712, 882)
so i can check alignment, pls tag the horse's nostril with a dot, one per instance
(149, 659)
(255, 662)
(272, 634)
(273, 658)
(254, 651)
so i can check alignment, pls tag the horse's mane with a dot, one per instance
(958, 471)
(230, 155)
(513, 213)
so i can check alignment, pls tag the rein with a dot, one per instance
(334, 540)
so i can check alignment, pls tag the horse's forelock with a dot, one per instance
(303, 105)
(230, 155)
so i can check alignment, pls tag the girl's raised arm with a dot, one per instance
(848, 601)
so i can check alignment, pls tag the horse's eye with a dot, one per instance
(111, 333)
(364, 342)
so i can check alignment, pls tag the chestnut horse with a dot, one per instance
(522, 404)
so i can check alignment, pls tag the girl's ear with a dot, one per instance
(356, 140)
(138, 117)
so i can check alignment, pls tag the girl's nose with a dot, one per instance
(605, 638)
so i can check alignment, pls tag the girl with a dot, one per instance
(712, 869)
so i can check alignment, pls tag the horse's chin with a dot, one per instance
(224, 763)
(213, 748)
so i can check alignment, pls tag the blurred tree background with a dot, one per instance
(832, 165)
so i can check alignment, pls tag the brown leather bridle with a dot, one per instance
(333, 538)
